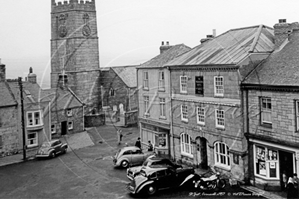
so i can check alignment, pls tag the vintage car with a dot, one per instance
(152, 179)
(129, 156)
(151, 161)
(51, 148)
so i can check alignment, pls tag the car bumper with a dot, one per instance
(131, 189)
(130, 177)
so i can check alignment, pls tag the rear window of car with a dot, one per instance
(46, 144)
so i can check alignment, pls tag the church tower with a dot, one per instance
(75, 51)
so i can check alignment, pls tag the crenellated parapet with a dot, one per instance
(61, 6)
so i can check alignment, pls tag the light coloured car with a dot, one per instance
(51, 148)
(130, 156)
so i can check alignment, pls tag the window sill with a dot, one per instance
(266, 125)
(162, 117)
(31, 146)
(219, 96)
(200, 124)
(187, 155)
(146, 115)
(184, 121)
(265, 178)
(222, 166)
(183, 93)
(36, 127)
(146, 89)
(161, 90)
(220, 128)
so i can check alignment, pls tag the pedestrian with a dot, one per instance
(138, 143)
(296, 184)
(119, 135)
(150, 146)
(290, 189)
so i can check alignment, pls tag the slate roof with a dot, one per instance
(65, 98)
(6, 96)
(281, 68)
(230, 47)
(127, 74)
(166, 56)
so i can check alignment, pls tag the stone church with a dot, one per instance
(74, 50)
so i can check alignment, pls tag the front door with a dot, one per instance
(64, 128)
(201, 152)
(286, 167)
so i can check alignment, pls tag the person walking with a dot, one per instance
(150, 146)
(138, 143)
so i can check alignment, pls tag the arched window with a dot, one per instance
(221, 151)
(112, 92)
(186, 145)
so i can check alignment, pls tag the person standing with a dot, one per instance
(150, 146)
(138, 143)
(290, 189)
(119, 136)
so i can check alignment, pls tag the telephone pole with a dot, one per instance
(22, 117)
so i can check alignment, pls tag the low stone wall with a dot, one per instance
(94, 120)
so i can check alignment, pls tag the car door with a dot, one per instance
(166, 178)
(54, 146)
(137, 157)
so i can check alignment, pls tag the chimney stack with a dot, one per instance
(209, 37)
(31, 76)
(164, 48)
(282, 31)
(2, 72)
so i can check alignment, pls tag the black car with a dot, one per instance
(152, 179)
(149, 162)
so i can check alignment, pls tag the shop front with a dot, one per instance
(158, 134)
(273, 164)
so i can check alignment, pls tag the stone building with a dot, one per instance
(271, 109)
(154, 98)
(119, 94)
(207, 125)
(74, 50)
(36, 115)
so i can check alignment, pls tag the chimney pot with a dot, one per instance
(282, 20)
(167, 43)
(162, 43)
(214, 32)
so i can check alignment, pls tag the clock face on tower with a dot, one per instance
(62, 31)
(86, 31)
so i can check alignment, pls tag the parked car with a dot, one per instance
(152, 179)
(51, 149)
(130, 155)
(150, 161)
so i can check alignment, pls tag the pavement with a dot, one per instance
(92, 136)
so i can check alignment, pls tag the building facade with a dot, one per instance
(207, 118)
(74, 50)
(271, 107)
(154, 98)
(119, 95)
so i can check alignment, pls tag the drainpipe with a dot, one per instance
(22, 117)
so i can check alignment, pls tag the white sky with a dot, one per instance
(129, 31)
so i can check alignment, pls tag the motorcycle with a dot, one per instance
(209, 183)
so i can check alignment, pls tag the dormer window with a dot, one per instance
(34, 118)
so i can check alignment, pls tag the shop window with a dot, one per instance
(183, 84)
(266, 162)
(32, 139)
(222, 154)
(186, 144)
(266, 110)
(161, 140)
(219, 86)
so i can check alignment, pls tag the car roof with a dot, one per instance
(129, 148)
(156, 159)
(52, 141)
(154, 168)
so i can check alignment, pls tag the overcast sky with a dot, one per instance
(129, 31)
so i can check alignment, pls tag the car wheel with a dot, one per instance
(124, 163)
(221, 184)
(64, 150)
(151, 190)
(52, 155)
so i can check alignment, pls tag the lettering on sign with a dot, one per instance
(199, 85)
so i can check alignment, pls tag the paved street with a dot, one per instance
(85, 173)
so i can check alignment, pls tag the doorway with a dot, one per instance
(201, 145)
(64, 128)
(286, 166)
